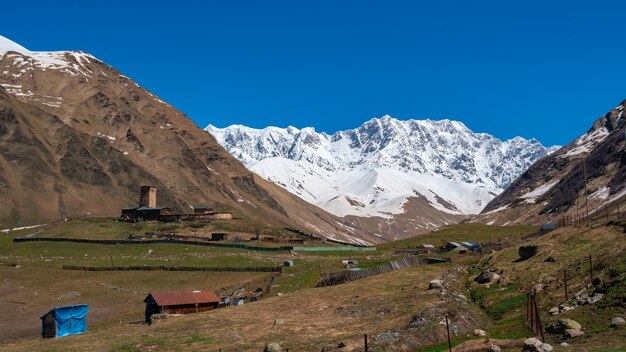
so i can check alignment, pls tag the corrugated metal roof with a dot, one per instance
(174, 298)
(455, 244)
(428, 245)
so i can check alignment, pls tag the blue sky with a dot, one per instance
(542, 69)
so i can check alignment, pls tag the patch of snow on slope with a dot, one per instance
(23, 227)
(498, 209)
(532, 196)
(588, 141)
(602, 193)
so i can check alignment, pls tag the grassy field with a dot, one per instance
(32, 281)
(462, 232)
(296, 314)
(301, 321)
(570, 248)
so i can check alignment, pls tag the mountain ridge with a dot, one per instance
(78, 137)
(555, 186)
(376, 169)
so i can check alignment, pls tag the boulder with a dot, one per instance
(497, 278)
(564, 344)
(494, 348)
(571, 333)
(595, 298)
(480, 333)
(485, 277)
(559, 326)
(533, 344)
(526, 252)
(554, 311)
(617, 321)
(272, 347)
(550, 259)
(437, 283)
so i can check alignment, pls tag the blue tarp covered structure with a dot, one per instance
(63, 321)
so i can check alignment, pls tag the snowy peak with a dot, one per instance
(71, 62)
(7, 45)
(374, 169)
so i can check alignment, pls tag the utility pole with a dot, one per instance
(590, 268)
(448, 330)
(586, 195)
(577, 216)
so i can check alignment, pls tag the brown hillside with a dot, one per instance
(554, 186)
(79, 138)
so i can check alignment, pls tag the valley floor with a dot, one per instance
(396, 310)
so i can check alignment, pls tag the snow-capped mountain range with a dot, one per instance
(373, 170)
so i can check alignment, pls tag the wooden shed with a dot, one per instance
(426, 248)
(64, 321)
(218, 236)
(201, 209)
(180, 302)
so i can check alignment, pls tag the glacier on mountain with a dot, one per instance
(374, 169)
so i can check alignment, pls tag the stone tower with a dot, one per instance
(148, 197)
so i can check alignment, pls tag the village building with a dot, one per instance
(455, 247)
(218, 236)
(149, 211)
(348, 263)
(64, 321)
(547, 228)
(180, 302)
(426, 248)
(201, 209)
(473, 246)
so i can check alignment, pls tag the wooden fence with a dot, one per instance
(584, 216)
(533, 320)
(170, 241)
(271, 269)
(340, 277)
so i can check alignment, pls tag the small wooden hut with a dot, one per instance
(180, 302)
(64, 321)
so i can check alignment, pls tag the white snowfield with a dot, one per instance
(587, 142)
(71, 61)
(531, 197)
(22, 228)
(374, 169)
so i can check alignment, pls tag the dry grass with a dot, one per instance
(571, 247)
(311, 319)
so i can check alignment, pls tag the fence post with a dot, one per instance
(590, 267)
(448, 330)
(365, 338)
(537, 318)
(565, 279)
(528, 313)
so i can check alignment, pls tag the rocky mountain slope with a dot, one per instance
(401, 177)
(77, 137)
(555, 185)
